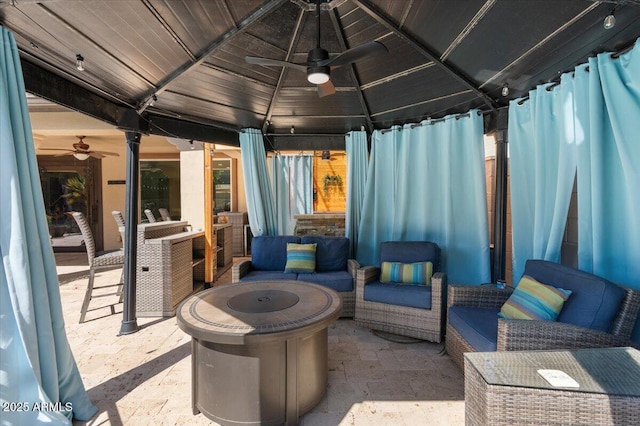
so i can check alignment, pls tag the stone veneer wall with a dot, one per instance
(320, 223)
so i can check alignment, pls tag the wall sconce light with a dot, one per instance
(505, 90)
(293, 130)
(79, 62)
(326, 155)
(191, 145)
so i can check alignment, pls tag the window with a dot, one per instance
(223, 184)
(160, 187)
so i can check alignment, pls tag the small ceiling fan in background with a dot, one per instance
(319, 65)
(81, 151)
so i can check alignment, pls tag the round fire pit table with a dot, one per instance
(259, 350)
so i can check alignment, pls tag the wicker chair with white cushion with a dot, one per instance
(98, 261)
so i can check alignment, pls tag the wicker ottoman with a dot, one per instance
(505, 388)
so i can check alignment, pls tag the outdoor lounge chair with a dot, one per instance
(598, 313)
(98, 261)
(164, 214)
(402, 309)
(150, 217)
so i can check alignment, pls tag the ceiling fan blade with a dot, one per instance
(326, 89)
(352, 55)
(56, 149)
(95, 154)
(274, 63)
(63, 154)
(103, 153)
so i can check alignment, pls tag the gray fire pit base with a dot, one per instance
(247, 385)
(259, 350)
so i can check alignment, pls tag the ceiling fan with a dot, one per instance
(319, 65)
(81, 151)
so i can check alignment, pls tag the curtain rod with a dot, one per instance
(439, 120)
(556, 81)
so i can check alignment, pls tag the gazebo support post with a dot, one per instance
(500, 208)
(129, 321)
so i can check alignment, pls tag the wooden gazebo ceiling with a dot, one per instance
(177, 67)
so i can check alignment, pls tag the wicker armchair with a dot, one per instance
(117, 216)
(525, 335)
(98, 261)
(416, 322)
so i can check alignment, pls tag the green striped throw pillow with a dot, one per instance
(418, 273)
(532, 300)
(301, 258)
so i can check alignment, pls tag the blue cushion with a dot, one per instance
(413, 296)
(269, 253)
(594, 301)
(478, 326)
(331, 252)
(268, 275)
(336, 280)
(410, 252)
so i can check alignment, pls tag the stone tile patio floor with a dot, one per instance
(145, 378)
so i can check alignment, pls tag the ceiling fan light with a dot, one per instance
(81, 155)
(317, 77)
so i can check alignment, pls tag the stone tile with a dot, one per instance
(145, 378)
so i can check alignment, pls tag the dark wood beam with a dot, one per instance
(352, 70)
(52, 87)
(304, 142)
(283, 73)
(372, 10)
(267, 7)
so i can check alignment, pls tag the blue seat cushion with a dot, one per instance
(594, 302)
(478, 326)
(268, 275)
(331, 252)
(413, 296)
(410, 252)
(336, 280)
(269, 253)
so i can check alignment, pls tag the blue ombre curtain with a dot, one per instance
(36, 363)
(543, 167)
(292, 188)
(357, 165)
(261, 210)
(427, 182)
(607, 110)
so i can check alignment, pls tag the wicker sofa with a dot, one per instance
(597, 314)
(334, 269)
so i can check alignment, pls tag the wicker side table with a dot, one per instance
(504, 388)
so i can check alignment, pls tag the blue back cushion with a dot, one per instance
(269, 253)
(331, 252)
(594, 301)
(410, 252)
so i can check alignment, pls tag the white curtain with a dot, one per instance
(293, 189)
